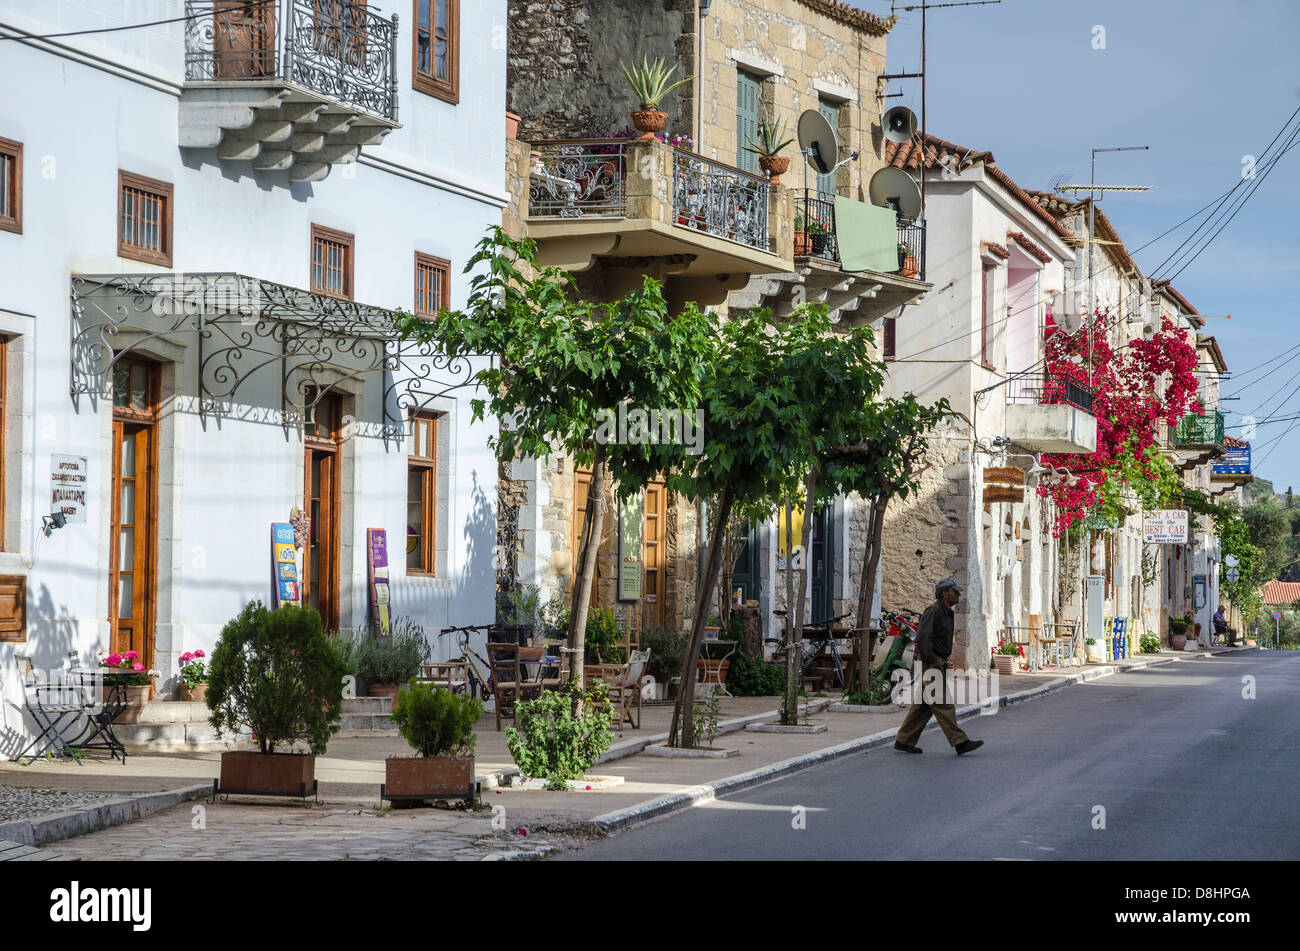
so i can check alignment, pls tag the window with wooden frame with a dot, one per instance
(436, 55)
(889, 346)
(331, 262)
(431, 277)
(144, 219)
(13, 608)
(11, 186)
(986, 307)
(422, 496)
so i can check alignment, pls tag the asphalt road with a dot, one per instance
(1182, 764)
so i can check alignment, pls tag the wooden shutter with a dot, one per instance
(748, 89)
(826, 183)
(13, 608)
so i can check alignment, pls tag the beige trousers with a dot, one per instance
(918, 715)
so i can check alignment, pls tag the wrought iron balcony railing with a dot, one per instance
(1234, 462)
(717, 199)
(579, 178)
(1204, 430)
(1045, 388)
(814, 233)
(337, 48)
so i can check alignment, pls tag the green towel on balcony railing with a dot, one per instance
(867, 236)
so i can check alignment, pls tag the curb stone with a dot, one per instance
(521, 855)
(621, 820)
(64, 825)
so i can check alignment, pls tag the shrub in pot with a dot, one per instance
(439, 725)
(1178, 632)
(385, 663)
(194, 676)
(275, 673)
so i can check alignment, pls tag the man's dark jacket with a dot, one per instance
(934, 635)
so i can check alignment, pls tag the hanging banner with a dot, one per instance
(377, 546)
(1165, 527)
(796, 533)
(284, 565)
(631, 526)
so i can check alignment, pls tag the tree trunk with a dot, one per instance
(790, 705)
(795, 655)
(593, 527)
(867, 592)
(684, 710)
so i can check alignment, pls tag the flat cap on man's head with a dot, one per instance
(944, 585)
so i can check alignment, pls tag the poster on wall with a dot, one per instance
(631, 524)
(1165, 527)
(796, 533)
(380, 598)
(284, 565)
(68, 476)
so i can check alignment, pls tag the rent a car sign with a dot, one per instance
(1165, 527)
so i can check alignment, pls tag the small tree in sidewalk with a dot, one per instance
(563, 366)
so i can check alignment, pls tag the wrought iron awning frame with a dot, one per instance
(241, 325)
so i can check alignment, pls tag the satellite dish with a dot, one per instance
(899, 124)
(894, 188)
(817, 141)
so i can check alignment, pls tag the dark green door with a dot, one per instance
(826, 183)
(823, 558)
(748, 89)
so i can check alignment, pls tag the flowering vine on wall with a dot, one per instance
(1135, 388)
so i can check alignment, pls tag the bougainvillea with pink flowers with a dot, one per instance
(1135, 388)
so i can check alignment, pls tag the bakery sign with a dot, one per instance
(69, 476)
(1165, 527)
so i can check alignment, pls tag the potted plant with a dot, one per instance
(126, 667)
(802, 245)
(818, 238)
(439, 725)
(767, 147)
(650, 83)
(1178, 632)
(1006, 657)
(275, 673)
(524, 621)
(194, 676)
(386, 663)
(1094, 649)
(712, 670)
(601, 640)
(667, 651)
(907, 265)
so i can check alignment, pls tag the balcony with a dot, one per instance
(1048, 412)
(860, 295)
(616, 210)
(1200, 432)
(288, 85)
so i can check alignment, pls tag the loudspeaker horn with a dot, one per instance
(899, 124)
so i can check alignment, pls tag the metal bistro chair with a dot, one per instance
(1023, 637)
(51, 706)
(102, 699)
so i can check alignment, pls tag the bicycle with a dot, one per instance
(478, 671)
(810, 648)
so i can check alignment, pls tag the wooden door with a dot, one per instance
(320, 583)
(134, 512)
(581, 486)
(654, 555)
(243, 40)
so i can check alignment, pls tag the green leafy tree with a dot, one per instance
(1269, 525)
(565, 364)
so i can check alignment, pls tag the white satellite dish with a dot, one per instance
(899, 124)
(894, 188)
(817, 141)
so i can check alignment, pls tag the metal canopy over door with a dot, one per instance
(826, 183)
(748, 92)
(321, 566)
(133, 531)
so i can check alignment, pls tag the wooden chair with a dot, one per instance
(510, 685)
(452, 674)
(555, 647)
(625, 688)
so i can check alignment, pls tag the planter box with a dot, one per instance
(268, 774)
(709, 671)
(197, 694)
(1006, 664)
(428, 777)
(384, 690)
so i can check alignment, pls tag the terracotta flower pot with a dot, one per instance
(197, 694)
(802, 243)
(909, 268)
(1177, 642)
(775, 166)
(512, 125)
(136, 698)
(1006, 664)
(429, 777)
(281, 774)
(709, 671)
(649, 122)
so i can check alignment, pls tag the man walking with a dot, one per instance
(934, 644)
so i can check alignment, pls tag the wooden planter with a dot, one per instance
(428, 777)
(1006, 664)
(649, 122)
(197, 694)
(384, 690)
(268, 774)
(532, 653)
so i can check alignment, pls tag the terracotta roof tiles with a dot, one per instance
(1281, 592)
(867, 22)
(1020, 238)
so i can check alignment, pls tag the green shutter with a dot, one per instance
(826, 183)
(748, 88)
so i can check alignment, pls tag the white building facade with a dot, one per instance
(216, 218)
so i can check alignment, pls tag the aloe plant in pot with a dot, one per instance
(439, 725)
(650, 83)
(768, 147)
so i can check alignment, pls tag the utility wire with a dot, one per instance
(138, 26)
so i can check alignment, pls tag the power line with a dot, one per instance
(136, 26)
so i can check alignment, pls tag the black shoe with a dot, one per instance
(968, 746)
(904, 748)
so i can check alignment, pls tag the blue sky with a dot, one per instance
(1204, 84)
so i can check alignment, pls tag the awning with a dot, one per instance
(241, 342)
